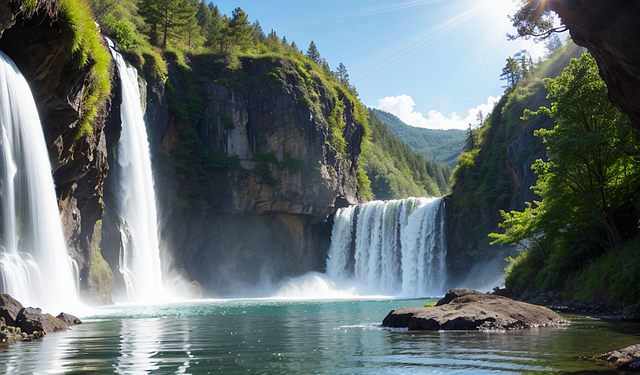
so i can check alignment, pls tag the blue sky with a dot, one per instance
(434, 63)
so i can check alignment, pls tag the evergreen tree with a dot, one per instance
(313, 53)
(511, 73)
(551, 44)
(167, 18)
(294, 46)
(258, 33)
(240, 29)
(204, 18)
(342, 75)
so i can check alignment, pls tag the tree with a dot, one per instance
(240, 29)
(258, 33)
(167, 18)
(534, 19)
(551, 44)
(204, 18)
(590, 177)
(511, 73)
(342, 75)
(313, 53)
(294, 46)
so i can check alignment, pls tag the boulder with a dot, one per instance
(68, 319)
(9, 309)
(32, 320)
(627, 359)
(464, 309)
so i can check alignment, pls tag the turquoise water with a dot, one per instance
(295, 337)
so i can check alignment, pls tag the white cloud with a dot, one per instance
(403, 107)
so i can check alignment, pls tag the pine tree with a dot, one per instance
(258, 33)
(204, 18)
(511, 73)
(342, 75)
(240, 29)
(313, 53)
(167, 18)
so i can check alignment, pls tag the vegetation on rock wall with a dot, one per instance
(396, 170)
(85, 45)
(581, 237)
(484, 182)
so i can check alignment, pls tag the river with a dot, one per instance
(302, 337)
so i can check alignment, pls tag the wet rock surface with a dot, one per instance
(626, 359)
(27, 323)
(464, 309)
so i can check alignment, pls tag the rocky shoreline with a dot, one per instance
(27, 323)
(464, 309)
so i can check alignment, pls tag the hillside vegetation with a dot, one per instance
(485, 182)
(434, 144)
(153, 33)
(397, 171)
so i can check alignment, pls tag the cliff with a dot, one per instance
(247, 169)
(497, 175)
(609, 30)
(38, 43)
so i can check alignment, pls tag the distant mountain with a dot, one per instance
(439, 145)
(397, 171)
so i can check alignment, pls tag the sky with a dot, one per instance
(433, 63)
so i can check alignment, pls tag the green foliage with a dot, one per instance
(396, 170)
(227, 120)
(438, 145)
(483, 183)
(430, 304)
(263, 171)
(364, 184)
(85, 46)
(588, 191)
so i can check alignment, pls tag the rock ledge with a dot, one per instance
(464, 309)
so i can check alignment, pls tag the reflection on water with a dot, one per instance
(283, 337)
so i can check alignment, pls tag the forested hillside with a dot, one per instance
(495, 172)
(439, 145)
(397, 171)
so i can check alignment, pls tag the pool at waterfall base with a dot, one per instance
(266, 336)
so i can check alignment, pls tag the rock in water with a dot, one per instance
(68, 319)
(464, 309)
(627, 359)
(9, 309)
(32, 320)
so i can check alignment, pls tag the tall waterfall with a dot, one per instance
(139, 260)
(35, 267)
(390, 247)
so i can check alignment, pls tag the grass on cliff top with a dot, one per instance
(86, 47)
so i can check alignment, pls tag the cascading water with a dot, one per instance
(35, 267)
(139, 260)
(390, 247)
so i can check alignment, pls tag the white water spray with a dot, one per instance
(390, 248)
(139, 260)
(35, 267)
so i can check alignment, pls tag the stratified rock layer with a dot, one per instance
(464, 309)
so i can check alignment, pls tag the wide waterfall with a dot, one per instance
(139, 260)
(35, 267)
(390, 247)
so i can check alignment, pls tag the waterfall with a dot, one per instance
(390, 247)
(139, 260)
(35, 267)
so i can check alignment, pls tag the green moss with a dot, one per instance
(100, 275)
(430, 304)
(85, 45)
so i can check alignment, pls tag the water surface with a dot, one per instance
(294, 337)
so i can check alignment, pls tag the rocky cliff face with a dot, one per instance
(267, 173)
(609, 29)
(79, 164)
